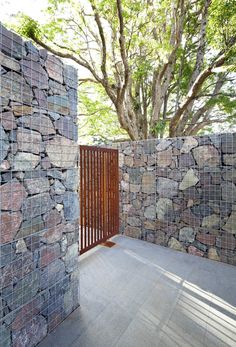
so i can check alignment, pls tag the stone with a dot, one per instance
(164, 209)
(133, 232)
(28, 140)
(4, 144)
(70, 76)
(25, 314)
(187, 234)
(200, 246)
(57, 88)
(36, 185)
(228, 143)
(67, 128)
(7, 254)
(212, 221)
(48, 254)
(71, 206)
(62, 152)
(149, 147)
(166, 187)
(5, 165)
(175, 244)
(212, 254)
(71, 179)
(12, 195)
(189, 218)
(34, 74)
(52, 273)
(71, 258)
(38, 122)
(45, 163)
(54, 173)
(207, 239)
(8, 120)
(18, 91)
(202, 210)
(206, 156)
(5, 334)
(54, 67)
(211, 192)
(73, 100)
(129, 161)
(194, 251)
(31, 334)
(125, 186)
(59, 207)
(150, 212)
(52, 218)
(41, 98)
(229, 159)
(186, 160)
(229, 175)
(135, 188)
(164, 158)
(21, 246)
(10, 224)
(189, 143)
(59, 104)
(36, 205)
(134, 221)
(190, 179)
(31, 226)
(163, 145)
(148, 183)
(228, 191)
(230, 225)
(53, 234)
(21, 110)
(9, 63)
(226, 241)
(11, 43)
(23, 291)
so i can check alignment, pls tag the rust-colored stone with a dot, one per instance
(12, 195)
(206, 239)
(10, 224)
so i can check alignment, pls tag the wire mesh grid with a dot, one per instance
(38, 192)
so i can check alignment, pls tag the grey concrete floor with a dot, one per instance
(137, 294)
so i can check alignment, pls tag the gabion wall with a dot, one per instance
(181, 193)
(38, 192)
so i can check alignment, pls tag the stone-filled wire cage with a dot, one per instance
(181, 193)
(38, 193)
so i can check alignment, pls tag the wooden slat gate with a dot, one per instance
(99, 195)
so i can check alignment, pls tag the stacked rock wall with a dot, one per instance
(181, 193)
(38, 192)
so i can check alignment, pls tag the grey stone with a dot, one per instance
(67, 128)
(58, 187)
(164, 158)
(71, 258)
(34, 74)
(229, 174)
(54, 173)
(164, 209)
(202, 210)
(228, 143)
(190, 179)
(5, 335)
(28, 140)
(230, 225)
(23, 291)
(72, 95)
(30, 48)
(186, 160)
(229, 159)
(38, 122)
(54, 67)
(58, 104)
(71, 179)
(148, 182)
(9, 62)
(11, 43)
(36, 185)
(149, 147)
(25, 161)
(175, 244)
(150, 212)
(70, 76)
(206, 156)
(21, 246)
(57, 88)
(228, 191)
(7, 254)
(31, 334)
(8, 121)
(187, 234)
(189, 143)
(31, 226)
(62, 152)
(4, 144)
(211, 192)
(200, 246)
(163, 144)
(166, 187)
(71, 206)
(134, 221)
(37, 205)
(52, 273)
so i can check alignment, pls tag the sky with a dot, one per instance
(30, 7)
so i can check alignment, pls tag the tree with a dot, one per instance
(166, 66)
